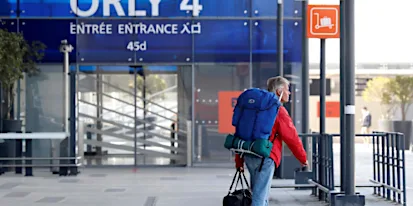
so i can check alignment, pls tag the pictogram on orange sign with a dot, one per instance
(332, 109)
(226, 103)
(323, 21)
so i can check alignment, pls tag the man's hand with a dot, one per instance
(239, 163)
(305, 164)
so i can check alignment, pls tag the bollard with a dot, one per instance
(29, 170)
(19, 154)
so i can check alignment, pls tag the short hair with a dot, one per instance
(365, 108)
(275, 83)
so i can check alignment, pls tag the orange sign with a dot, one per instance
(332, 109)
(323, 21)
(226, 103)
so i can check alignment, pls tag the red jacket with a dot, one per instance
(287, 133)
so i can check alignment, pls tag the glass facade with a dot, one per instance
(200, 48)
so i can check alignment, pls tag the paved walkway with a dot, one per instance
(145, 187)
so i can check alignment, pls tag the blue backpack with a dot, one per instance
(255, 113)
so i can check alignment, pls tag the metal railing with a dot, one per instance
(23, 155)
(322, 165)
(389, 169)
(321, 178)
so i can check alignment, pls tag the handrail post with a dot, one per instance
(321, 164)
(403, 167)
(189, 144)
(80, 142)
(383, 169)
(388, 164)
(310, 148)
(315, 161)
(331, 161)
(397, 145)
(393, 165)
(199, 145)
(374, 162)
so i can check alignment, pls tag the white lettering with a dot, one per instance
(196, 8)
(127, 28)
(136, 46)
(132, 11)
(118, 7)
(92, 10)
(186, 29)
(90, 28)
(133, 29)
(196, 28)
(155, 7)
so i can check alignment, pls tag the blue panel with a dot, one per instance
(171, 8)
(8, 8)
(8, 24)
(292, 8)
(87, 68)
(264, 43)
(105, 48)
(162, 68)
(51, 33)
(167, 8)
(128, 69)
(45, 8)
(72, 68)
(225, 8)
(175, 47)
(61, 8)
(158, 46)
(223, 41)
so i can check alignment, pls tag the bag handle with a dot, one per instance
(245, 179)
(232, 184)
(241, 176)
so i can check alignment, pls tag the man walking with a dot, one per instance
(282, 131)
(365, 124)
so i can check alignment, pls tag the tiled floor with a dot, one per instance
(145, 187)
(200, 186)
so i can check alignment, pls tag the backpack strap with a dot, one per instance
(262, 161)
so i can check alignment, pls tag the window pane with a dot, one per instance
(264, 41)
(44, 110)
(212, 122)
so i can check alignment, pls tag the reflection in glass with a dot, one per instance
(210, 79)
(44, 109)
(107, 105)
